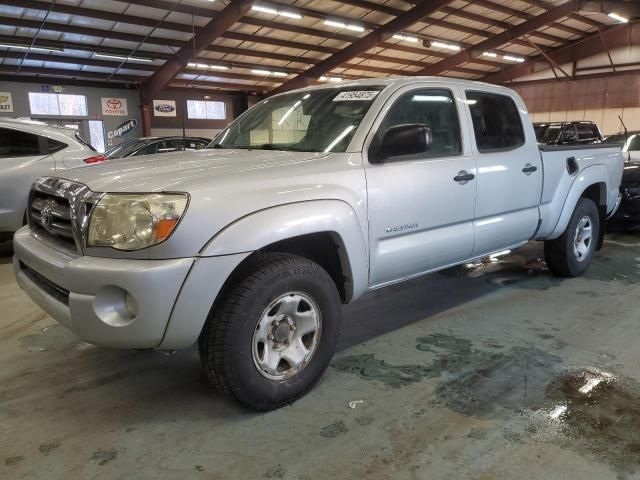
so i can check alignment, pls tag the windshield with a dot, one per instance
(548, 133)
(308, 121)
(619, 139)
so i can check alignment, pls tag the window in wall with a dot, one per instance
(96, 134)
(206, 110)
(14, 143)
(433, 108)
(496, 121)
(58, 104)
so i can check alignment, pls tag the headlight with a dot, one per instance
(132, 222)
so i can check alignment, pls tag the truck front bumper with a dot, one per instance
(121, 303)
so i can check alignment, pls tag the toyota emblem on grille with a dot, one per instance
(46, 214)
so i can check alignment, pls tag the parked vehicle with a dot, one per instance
(628, 215)
(629, 142)
(567, 133)
(28, 150)
(306, 201)
(151, 145)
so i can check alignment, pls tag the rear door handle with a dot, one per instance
(529, 169)
(463, 177)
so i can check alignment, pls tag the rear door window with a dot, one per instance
(496, 121)
(570, 134)
(14, 143)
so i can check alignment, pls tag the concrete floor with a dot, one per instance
(490, 371)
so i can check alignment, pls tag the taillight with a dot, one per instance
(96, 159)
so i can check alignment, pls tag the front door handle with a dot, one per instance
(463, 177)
(529, 169)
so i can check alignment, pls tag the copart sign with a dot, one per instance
(122, 130)
(6, 102)
(114, 106)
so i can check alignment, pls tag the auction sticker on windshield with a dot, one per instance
(357, 96)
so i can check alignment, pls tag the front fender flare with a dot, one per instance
(264, 227)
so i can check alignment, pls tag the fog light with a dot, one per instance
(115, 306)
(132, 305)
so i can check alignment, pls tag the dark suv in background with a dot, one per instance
(567, 133)
(151, 145)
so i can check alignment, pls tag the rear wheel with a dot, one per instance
(571, 254)
(272, 335)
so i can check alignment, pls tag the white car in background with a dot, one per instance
(29, 150)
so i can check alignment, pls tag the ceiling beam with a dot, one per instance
(368, 5)
(527, 16)
(498, 40)
(591, 76)
(128, 37)
(367, 42)
(618, 36)
(184, 28)
(234, 10)
(574, 16)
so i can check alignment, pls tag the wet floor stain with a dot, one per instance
(277, 471)
(590, 411)
(53, 337)
(473, 381)
(616, 263)
(102, 457)
(47, 448)
(594, 412)
(519, 270)
(334, 430)
(12, 461)
(364, 421)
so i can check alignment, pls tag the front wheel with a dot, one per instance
(273, 333)
(571, 254)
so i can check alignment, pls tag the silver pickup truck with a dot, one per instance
(306, 201)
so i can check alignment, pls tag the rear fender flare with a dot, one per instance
(589, 176)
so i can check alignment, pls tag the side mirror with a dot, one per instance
(407, 139)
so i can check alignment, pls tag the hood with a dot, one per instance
(180, 170)
(631, 175)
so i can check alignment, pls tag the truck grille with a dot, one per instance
(51, 219)
(59, 211)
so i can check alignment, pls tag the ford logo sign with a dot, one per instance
(165, 108)
(124, 129)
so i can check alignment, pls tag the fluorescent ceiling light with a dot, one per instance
(406, 38)
(448, 46)
(513, 58)
(27, 47)
(430, 98)
(330, 79)
(490, 54)
(275, 11)
(269, 72)
(340, 24)
(619, 18)
(289, 112)
(122, 57)
(205, 66)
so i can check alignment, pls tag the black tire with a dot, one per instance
(225, 344)
(559, 253)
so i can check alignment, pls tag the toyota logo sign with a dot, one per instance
(114, 103)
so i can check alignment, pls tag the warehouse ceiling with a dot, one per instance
(263, 46)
